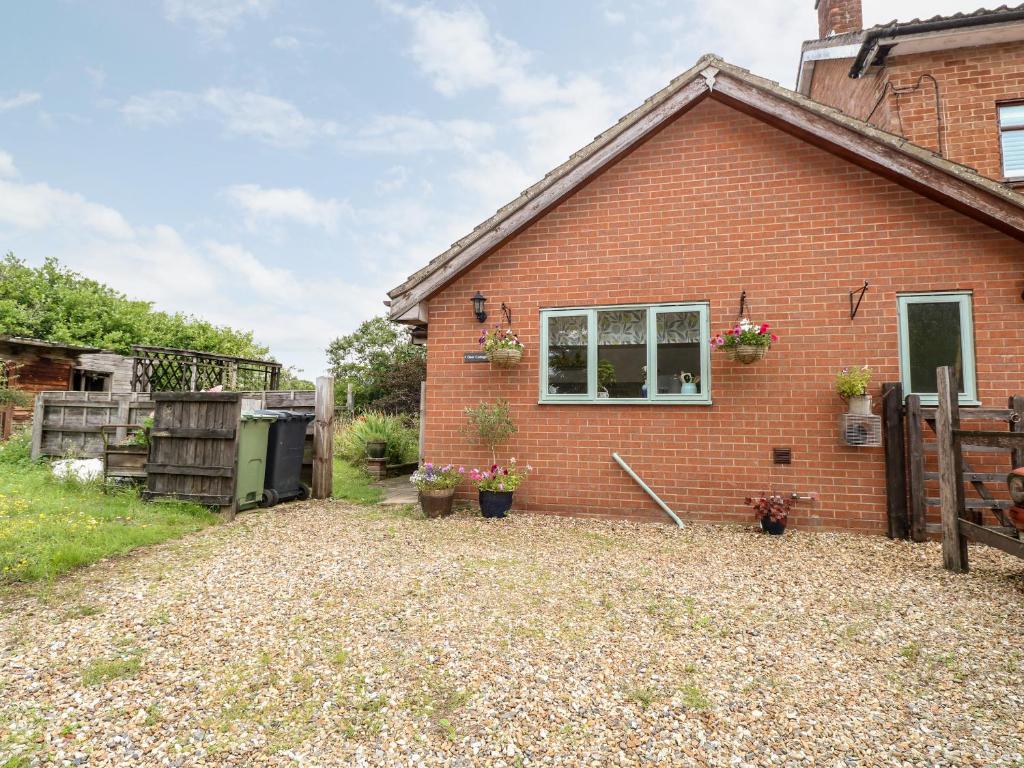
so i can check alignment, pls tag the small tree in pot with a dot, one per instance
(492, 425)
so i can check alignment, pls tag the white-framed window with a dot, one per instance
(636, 353)
(1011, 139)
(937, 329)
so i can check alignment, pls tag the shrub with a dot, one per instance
(492, 424)
(18, 450)
(853, 382)
(399, 432)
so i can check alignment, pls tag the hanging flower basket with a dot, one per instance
(502, 347)
(746, 342)
(505, 357)
(746, 353)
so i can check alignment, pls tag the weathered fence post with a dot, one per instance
(1017, 406)
(6, 422)
(423, 417)
(37, 426)
(915, 470)
(951, 478)
(323, 438)
(895, 460)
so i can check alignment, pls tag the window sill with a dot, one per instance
(623, 401)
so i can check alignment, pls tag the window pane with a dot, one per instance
(567, 355)
(934, 334)
(1012, 115)
(679, 353)
(622, 353)
(1013, 153)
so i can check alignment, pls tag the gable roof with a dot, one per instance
(952, 184)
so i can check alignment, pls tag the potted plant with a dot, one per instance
(376, 445)
(437, 487)
(745, 342)
(491, 424)
(502, 347)
(852, 386)
(605, 377)
(772, 511)
(497, 486)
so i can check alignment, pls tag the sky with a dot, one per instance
(278, 165)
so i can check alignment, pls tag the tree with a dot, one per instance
(53, 303)
(383, 365)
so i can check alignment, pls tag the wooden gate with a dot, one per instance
(985, 472)
(962, 520)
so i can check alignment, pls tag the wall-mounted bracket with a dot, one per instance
(743, 303)
(859, 293)
(507, 313)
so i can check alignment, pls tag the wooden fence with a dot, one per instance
(70, 423)
(6, 422)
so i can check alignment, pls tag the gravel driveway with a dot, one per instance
(328, 635)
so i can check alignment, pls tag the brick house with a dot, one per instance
(720, 189)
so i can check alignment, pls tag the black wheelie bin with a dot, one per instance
(285, 446)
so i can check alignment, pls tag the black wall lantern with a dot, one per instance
(478, 306)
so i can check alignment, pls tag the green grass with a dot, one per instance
(104, 670)
(353, 484)
(48, 527)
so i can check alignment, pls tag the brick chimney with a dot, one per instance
(836, 17)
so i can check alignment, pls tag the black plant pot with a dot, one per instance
(495, 503)
(773, 527)
(375, 449)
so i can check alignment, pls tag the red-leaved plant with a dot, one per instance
(774, 508)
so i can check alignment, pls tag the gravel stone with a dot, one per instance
(323, 634)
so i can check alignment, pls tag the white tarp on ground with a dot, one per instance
(78, 469)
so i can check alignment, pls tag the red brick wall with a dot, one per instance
(836, 17)
(971, 81)
(717, 203)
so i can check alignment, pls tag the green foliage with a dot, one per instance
(9, 395)
(382, 364)
(399, 432)
(492, 424)
(352, 483)
(48, 527)
(853, 382)
(290, 381)
(53, 303)
(104, 670)
(605, 373)
(141, 436)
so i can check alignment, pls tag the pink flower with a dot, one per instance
(764, 328)
(774, 337)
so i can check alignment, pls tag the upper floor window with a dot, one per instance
(636, 353)
(937, 329)
(1011, 137)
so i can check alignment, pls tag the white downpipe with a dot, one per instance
(644, 485)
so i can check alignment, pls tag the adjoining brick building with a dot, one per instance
(951, 84)
(722, 190)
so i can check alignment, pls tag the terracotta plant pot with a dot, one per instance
(437, 503)
(375, 449)
(746, 353)
(495, 503)
(505, 357)
(773, 527)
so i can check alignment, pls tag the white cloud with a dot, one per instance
(7, 169)
(409, 134)
(214, 18)
(286, 43)
(292, 204)
(20, 99)
(243, 113)
(614, 18)
(39, 206)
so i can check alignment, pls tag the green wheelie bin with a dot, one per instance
(254, 430)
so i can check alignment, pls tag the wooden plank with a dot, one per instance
(197, 397)
(975, 505)
(973, 477)
(206, 500)
(1001, 440)
(194, 433)
(967, 413)
(951, 488)
(895, 461)
(37, 426)
(323, 438)
(1017, 426)
(185, 469)
(915, 469)
(930, 447)
(992, 538)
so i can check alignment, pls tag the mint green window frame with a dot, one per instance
(962, 298)
(653, 397)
